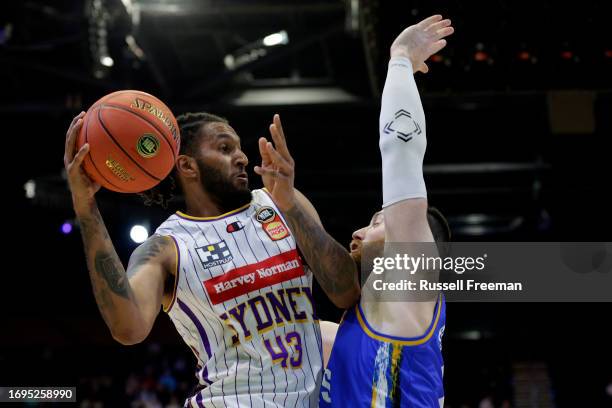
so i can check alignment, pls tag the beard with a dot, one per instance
(365, 257)
(356, 257)
(221, 188)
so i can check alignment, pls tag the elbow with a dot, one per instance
(129, 337)
(348, 298)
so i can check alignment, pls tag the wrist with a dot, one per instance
(288, 206)
(83, 206)
(399, 52)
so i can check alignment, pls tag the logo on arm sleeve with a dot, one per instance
(403, 125)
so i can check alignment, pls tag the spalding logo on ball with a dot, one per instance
(134, 141)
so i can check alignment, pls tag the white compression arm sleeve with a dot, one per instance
(402, 135)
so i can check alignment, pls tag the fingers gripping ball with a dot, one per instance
(133, 141)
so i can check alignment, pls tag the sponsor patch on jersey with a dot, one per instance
(245, 279)
(272, 223)
(276, 229)
(214, 254)
(234, 226)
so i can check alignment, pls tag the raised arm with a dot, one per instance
(128, 301)
(330, 262)
(402, 146)
(403, 131)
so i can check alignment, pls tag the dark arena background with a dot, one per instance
(519, 121)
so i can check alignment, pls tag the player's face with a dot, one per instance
(222, 166)
(373, 233)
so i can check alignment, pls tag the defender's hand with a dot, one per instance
(81, 186)
(420, 41)
(277, 167)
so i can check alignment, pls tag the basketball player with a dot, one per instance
(226, 270)
(374, 233)
(388, 354)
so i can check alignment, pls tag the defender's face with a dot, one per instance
(373, 233)
(221, 153)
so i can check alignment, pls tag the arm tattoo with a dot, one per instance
(332, 265)
(146, 252)
(108, 277)
(110, 269)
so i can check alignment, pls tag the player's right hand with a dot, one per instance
(422, 40)
(81, 186)
(277, 167)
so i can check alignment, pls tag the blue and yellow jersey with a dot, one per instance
(370, 369)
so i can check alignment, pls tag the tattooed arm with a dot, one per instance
(128, 301)
(331, 263)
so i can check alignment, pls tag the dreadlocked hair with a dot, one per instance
(190, 125)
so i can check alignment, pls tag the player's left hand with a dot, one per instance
(277, 167)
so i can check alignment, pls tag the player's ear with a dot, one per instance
(186, 167)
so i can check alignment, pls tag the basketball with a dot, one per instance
(133, 138)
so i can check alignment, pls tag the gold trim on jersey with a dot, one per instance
(374, 396)
(217, 217)
(176, 275)
(389, 339)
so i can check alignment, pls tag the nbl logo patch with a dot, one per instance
(214, 254)
(265, 214)
(272, 223)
